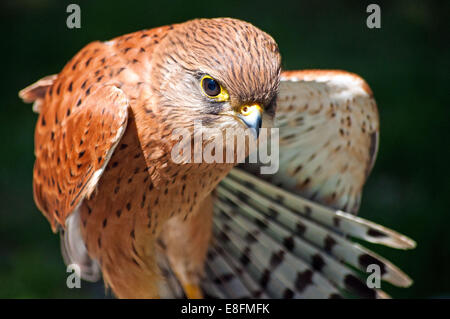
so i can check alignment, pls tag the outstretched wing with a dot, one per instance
(75, 136)
(329, 131)
(286, 235)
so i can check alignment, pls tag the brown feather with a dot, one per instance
(148, 79)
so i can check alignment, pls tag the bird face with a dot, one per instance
(223, 73)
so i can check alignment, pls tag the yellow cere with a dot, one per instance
(246, 110)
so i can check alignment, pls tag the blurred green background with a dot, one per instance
(406, 63)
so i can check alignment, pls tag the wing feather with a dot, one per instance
(329, 129)
(73, 144)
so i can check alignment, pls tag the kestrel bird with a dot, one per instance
(105, 179)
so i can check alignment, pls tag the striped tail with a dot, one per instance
(270, 243)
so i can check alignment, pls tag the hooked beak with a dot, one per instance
(250, 115)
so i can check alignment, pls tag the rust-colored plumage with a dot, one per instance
(104, 175)
(110, 113)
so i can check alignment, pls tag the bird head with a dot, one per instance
(223, 73)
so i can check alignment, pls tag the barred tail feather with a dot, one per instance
(225, 276)
(251, 287)
(170, 287)
(334, 219)
(272, 243)
(274, 268)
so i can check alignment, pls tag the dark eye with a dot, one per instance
(210, 86)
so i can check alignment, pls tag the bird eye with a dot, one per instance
(212, 89)
(210, 86)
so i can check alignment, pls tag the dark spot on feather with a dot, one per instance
(280, 199)
(224, 278)
(261, 223)
(375, 233)
(288, 243)
(244, 259)
(265, 278)
(336, 221)
(297, 169)
(305, 182)
(276, 258)
(272, 212)
(355, 285)
(329, 243)
(317, 262)
(250, 238)
(308, 210)
(303, 280)
(243, 197)
(301, 228)
(365, 260)
(288, 294)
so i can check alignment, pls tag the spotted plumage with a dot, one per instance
(105, 176)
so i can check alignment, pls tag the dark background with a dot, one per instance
(406, 63)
